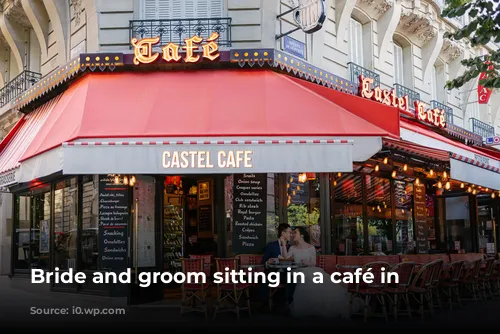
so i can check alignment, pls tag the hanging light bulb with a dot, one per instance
(298, 187)
(447, 186)
(493, 195)
(440, 185)
(334, 183)
(405, 167)
(487, 189)
(474, 192)
(417, 181)
(469, 190)
(386, 160)
(462, 186)
(339, 174)
(431, 172)
(394, 174)
(117, 179)
(377, 168)
(445, 175)
(132, 180)
(125, 180)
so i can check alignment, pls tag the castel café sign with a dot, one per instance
(434, 116)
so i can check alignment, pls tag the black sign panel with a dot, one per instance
(420, 209)
(249, 213)
(113, 224)
(205, 218)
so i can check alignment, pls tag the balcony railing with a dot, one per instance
(482, 128)
(177, 30)
(412, 95)
(356, 70)
(17, 86)
(448, 111)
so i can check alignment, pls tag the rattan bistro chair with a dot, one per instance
(398, 292)
(194, 292)
(449, 286)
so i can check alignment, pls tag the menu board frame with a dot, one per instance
(420, 219)
(250, 215)
(116, 227)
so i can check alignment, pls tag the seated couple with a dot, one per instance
(328, 299)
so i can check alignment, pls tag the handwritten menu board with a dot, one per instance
(249, 213)
(205, 218)
(420, 209)
(113, 224)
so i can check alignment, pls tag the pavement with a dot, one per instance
(20, 301)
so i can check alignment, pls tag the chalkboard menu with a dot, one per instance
(420, 209)
(205, 218)
(249, 213)
(113, 224)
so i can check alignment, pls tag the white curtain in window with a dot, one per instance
(356, 42)
(181, 9)
(398, 64)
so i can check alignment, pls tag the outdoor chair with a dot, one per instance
(421, 288)
(398, 292)
(194, 292)
(483, 279)
(449, 286)
(469, 281)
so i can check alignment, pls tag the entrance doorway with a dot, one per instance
(172, 218)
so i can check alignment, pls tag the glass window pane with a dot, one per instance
(65, 225)
(303, 206)
(458, 227)
(22, 223)
(348, 211)
(403, 195)
(379, 212)
(90, 208)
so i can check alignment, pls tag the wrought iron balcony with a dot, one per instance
(412, 95)
(448, 111)
(482, 128)
(17, 86)
(177, 30)
(356, 70)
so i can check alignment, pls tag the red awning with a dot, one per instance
(417, 128)
(417, 150)
(15, 144)
(207, 103)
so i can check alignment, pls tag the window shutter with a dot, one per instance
(356, 42)
(398, 64)
(434, 95)
(216, 9)
(177, 9)
(164, 9)
(150, 9)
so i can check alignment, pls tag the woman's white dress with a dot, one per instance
(327, 299)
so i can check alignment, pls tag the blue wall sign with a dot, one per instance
(294, 47)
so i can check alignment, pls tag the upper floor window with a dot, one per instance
(398, 64)
(434, 84)
(356, 42)
(181, 9)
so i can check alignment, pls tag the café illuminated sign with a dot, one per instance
(434, 116)
(205, 159)
(143, 50)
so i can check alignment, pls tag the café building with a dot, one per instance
(136, 160)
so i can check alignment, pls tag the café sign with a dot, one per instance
(143, 50)
(434, 116)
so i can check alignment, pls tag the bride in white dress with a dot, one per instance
(327, 299)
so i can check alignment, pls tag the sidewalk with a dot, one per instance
(18, 298)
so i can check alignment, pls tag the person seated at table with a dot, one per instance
(275, 250)
(279, 248)
(325, 299)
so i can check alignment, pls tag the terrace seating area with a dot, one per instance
(426, 283)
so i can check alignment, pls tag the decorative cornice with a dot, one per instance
(77, 10)
(419, 24)
(375, 8)
(15, 13)
(452, 49)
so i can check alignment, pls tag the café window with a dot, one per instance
(348, 212)
(90, 222)
(185, 9)
(403, 196)
(356, 42)
(32, 230)
(456, 227)
(303, 205)
(65, 224)
(379, 213)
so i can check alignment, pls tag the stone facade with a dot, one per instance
(42, 35)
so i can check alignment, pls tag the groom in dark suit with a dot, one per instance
(273, 251)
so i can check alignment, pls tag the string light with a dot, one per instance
(469, 190)
(474, 192)
(493, 195)
(487, 189)
(462, 186)
(417, 181)
(447, 186)
(377, 168)
(431, 172)
(339, 174)
(445, 175)
(125, 180)
(394, 174)
(386, 160)
(440, 185)
(117, 180)
(405, 167)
